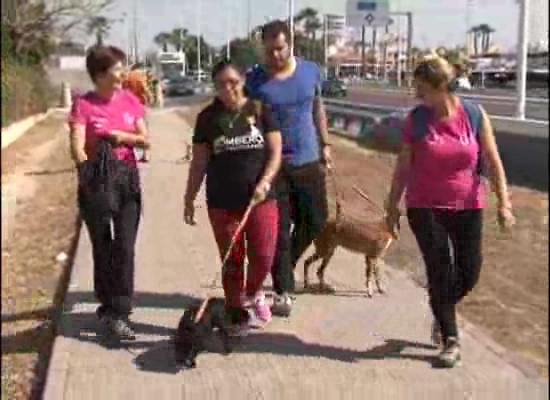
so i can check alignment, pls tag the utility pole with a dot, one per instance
(399, 51)
(363, 56)
(521, 57)
(249, 18)
(385, 56)
(469, 5)
(228, 31)
(199, 70)
(136, 57)
(291, 25)
(375, 52)
(409, 49)
(325, 43)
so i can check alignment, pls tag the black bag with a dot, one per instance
(103, 181)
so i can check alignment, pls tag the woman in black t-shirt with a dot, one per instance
(237, 145)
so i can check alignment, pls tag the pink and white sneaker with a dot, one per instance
(259, 311)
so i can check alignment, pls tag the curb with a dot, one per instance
(17, 129)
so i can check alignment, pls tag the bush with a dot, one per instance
(25, 91)
(25, 86)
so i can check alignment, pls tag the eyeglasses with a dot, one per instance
(231, 83)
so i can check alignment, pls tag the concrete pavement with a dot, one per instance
(342, 346)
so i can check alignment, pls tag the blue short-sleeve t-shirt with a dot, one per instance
(291, 103)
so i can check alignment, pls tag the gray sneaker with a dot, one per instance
(282, 305)
(450, 356)
(120, 329)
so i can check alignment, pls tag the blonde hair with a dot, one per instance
(435, 71)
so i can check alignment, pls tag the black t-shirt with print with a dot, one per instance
(238, 152)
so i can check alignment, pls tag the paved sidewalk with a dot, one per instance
(342, 346)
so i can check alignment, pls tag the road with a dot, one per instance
(499, 105)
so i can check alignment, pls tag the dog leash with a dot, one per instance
(364, 196)
(236, 235)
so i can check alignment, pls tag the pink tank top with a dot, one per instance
(443, 170)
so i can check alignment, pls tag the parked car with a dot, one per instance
(333, 88)
(179, 86)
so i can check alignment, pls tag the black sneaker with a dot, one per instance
(437, 339)
(450, 356)
(120, 328)
(102, 313)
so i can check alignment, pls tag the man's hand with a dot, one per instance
(327, 156)
(189, 213)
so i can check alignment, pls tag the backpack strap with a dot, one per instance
(419, 115)
(475, 118)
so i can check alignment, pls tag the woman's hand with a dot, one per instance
(261, 191)
(189, 213)
(506, 219)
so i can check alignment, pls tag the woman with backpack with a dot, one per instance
(445, 141)
(237, 146)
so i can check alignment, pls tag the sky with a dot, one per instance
(435, 22)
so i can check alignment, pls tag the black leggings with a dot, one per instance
(113, 250)
(450, 242)
(301, 196)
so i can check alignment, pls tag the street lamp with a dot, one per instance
(521, 58)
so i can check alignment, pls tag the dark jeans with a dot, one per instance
(450, 242)
(301, 195)
(113, 255)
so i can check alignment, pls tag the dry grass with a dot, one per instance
(32, 279)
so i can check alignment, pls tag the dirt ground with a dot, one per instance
(510, 302)
(41, 226)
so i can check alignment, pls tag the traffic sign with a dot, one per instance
(371, 13)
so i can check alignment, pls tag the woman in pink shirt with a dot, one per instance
(106, 124)
(439, 166)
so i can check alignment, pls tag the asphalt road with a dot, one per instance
(502, 106)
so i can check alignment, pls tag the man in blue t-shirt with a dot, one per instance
(290, 88)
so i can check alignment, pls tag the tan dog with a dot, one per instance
(372, 239)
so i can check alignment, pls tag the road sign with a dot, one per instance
(370, 13)
(335, 23)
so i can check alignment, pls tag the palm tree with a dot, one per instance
(162, 40)
(179, 39)
(476, 33)
(486, 32)
(100, 27)
(309, 18)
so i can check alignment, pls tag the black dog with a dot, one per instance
(191, 336)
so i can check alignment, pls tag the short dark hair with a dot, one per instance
(102, 58)
(274, 28)
(220, 66)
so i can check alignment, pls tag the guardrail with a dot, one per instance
(523, 145)
(529, 127)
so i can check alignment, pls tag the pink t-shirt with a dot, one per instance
(99, 115)
(444, 165)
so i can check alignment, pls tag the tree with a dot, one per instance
(308, 18)
(486, 36)
(162, 40)
(179, 39)
(34, 26)
(99, 26)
